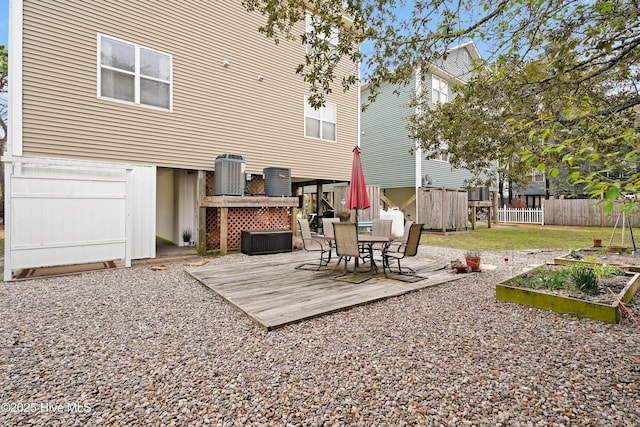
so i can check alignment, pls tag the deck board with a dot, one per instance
(274, 293)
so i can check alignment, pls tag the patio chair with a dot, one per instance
(347, 248)
(404, 250)
(401, 240)
(314, 244)
(327, 229)
(380, 227)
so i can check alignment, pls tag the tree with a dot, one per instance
(4, 76)
(472, 129)
(4, 79)
(571, 101)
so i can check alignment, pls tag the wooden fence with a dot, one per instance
(341, 192)
(583, 212)
(443, 209)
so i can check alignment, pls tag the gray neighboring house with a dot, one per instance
(534, 192)
(385, 139)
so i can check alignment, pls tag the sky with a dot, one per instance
(4, 22)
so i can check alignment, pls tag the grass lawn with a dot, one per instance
(516, 237)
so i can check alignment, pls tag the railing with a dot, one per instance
(521, 216)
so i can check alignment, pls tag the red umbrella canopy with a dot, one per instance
(358, 196)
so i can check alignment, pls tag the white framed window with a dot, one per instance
(466, 58)
(439, 89)
(320, 123)
(537, 175)
(134, 74)
(442, 155)
(311, 29)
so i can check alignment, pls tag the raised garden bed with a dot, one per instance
(624, 259)
(529, 289)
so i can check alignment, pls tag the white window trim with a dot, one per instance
(466, 57)
(441, 84)
(442, 152)
(333, 38)
(322, 120)
(136, 74)
(537, 175)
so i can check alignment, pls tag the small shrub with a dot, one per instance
(592, 258)
(544, 278)
(605, 270)
(186, 235)
(554, 280)
(521, 282)
(472, 254)
(584, 279)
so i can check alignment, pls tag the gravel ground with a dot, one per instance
(141, 347)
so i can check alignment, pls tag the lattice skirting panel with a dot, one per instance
(239, 219)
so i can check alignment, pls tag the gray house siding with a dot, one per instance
(442, 175)
(385, 139)
(455, 64)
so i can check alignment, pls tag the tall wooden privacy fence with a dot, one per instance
(583, 212)
(443, 209)
(341, 192)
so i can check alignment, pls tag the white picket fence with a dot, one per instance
(521, 216)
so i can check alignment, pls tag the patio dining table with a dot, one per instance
(369, 240)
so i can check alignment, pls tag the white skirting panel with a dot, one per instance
(143, 204)
(61, 212)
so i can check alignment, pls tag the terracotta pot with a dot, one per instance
(474, 263)
(462, 268)
(597, 243)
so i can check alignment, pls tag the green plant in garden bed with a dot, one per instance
(542, 279)
(577, 277)
(606, 270)
(583, 278)
(557, 287)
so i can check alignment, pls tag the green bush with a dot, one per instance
(605, 270)
(584, 278)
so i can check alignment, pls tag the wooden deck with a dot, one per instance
(274, 293)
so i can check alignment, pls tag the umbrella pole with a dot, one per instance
(357, 258)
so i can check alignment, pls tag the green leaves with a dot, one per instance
(604, 7)
(612, 193)
(557, 91)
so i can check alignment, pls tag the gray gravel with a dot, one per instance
(135, 346)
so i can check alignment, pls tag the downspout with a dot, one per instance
(14, 113)
(14, 125)
(418, 151)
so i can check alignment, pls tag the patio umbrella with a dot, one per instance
(358, 197)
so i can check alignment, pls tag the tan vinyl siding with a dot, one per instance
(215, 109)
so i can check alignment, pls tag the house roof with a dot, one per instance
(440, 72)
(471, 47)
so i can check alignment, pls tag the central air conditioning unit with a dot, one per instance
(277, 182)
(478, 194)
(229, 177)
